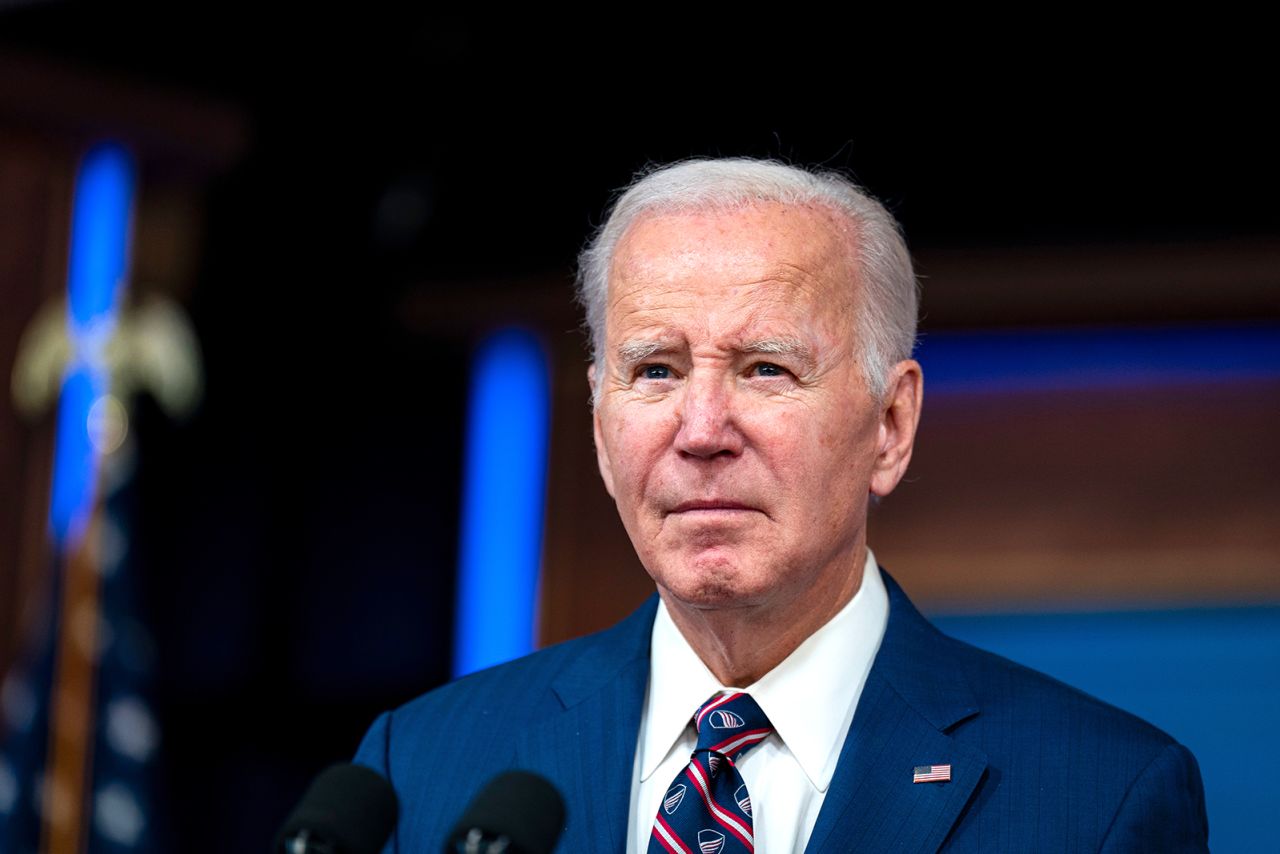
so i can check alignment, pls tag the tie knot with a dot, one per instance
(730, 724)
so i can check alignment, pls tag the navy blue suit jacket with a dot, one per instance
(1035, 765)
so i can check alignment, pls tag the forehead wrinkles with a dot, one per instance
(794, 308)
(677, 260)
(674, 245)
(739, 316)
(769, 321)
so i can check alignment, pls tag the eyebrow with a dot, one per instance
(793, 347)
(630, 352)
(777, 347)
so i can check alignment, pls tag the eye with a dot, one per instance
(768, 369)
(655, 372)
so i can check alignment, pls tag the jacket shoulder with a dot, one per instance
(1083, 767)
(1007, 697)
(462, 721)
(439, 748)
(1013, 694)
(1063, 769)
(529, 687)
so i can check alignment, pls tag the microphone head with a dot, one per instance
(522, 806)
(348, 809)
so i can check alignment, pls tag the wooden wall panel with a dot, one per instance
(1138, 497)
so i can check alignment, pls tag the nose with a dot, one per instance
(708, 426)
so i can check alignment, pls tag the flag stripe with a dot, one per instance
(931, 774)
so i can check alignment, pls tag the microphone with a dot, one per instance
(517, 812)
(348, 809)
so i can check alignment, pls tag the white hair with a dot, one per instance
(886, 322)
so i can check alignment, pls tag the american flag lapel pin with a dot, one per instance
(931, 774)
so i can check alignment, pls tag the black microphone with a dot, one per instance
(349, 809)
(517, 812)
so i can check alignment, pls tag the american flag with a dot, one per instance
(931, 774)
(118, 809)
(79, 768)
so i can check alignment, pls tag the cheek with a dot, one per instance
(635, 444)
(799, 440)
(824, 458)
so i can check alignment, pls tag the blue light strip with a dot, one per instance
(504, 483)
(1066, 359)
(95, 277)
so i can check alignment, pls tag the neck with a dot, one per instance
(740, 645)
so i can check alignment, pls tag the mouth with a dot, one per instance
(714, 505)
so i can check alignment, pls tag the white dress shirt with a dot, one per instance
(809, 698)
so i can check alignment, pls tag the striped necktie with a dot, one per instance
(707, 809)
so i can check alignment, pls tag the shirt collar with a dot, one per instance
(809, 698)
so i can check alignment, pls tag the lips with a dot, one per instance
(711, 504)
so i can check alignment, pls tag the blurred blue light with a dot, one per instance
(95, 275)
(75, 460)
(1066, 359)
(504, 477)
(99, 233)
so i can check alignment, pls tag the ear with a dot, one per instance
(602, 453)
(899, 417)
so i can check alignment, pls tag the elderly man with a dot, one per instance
(752, 326)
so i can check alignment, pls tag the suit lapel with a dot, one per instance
(588, 749)
(912, 697)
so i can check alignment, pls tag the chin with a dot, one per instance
(713, 585)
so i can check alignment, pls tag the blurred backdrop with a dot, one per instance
(337, 237)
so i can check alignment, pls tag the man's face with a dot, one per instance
(734, 428)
